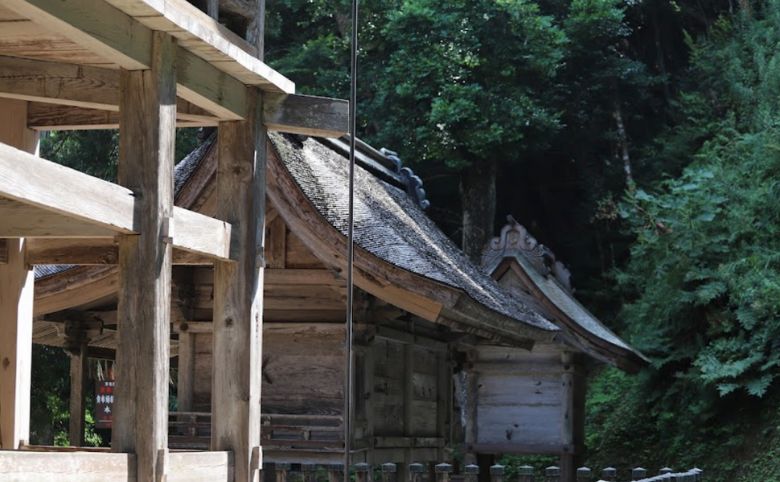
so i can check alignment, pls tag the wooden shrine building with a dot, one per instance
(227, 270)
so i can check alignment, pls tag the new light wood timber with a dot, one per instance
(22, 220)
(52, 117)
(92, 251)
(124, 40)
(16, 304)
(146, 149)
(50, 186)
(34, 466)
(200, 466)
(238, 288)
(305, 114)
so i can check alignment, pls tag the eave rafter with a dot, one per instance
(78, 205)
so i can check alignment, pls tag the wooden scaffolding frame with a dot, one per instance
(144, 67)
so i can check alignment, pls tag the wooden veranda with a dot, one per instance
(144, 67)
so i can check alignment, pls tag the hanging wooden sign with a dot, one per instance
(104, 403)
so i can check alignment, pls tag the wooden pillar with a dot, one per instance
(573, 417)
(147, 130)
(76, 344)
(16, 302)
(238, 292)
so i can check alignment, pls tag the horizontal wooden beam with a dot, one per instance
(74, 195)
(50, 117)
(122, 39)
(29, 466)
(306, 114)
(91, 90)
(94, 251)
(19, 220)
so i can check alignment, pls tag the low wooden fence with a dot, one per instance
(470, 473)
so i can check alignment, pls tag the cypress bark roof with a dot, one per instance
(392, 226)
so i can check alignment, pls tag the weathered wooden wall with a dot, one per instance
(519, 399)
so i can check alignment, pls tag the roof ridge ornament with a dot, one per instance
(515, 240)
(413, 183)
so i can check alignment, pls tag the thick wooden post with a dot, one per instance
(76, 343)
(147, 131)
(238, 292)
(16, 302)
(573, 417)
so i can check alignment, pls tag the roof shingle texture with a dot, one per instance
(389, 225)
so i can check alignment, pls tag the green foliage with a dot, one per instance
(704, 277)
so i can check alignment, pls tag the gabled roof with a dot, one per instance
(549, 282)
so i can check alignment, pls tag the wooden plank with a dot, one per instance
(213, 90)
(16, 305)
(520, 424)
(92, 251)
(200, 466)
(239, 58)
(238, 303)
(50, 186)
(52, 117)
(3, 251)
(122, 39)
(21, 220)
(24, 38)
(59, 83)
(146, 151)
(307, 115)
(29, 466)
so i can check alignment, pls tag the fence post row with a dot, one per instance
(497, 473)
(471, 473)
(584, 474)
(362, 472)
(389, 472)
(416, 472)
(525, 473)
(280, 472)
(638, 473)
(552, 474)
(609, 474)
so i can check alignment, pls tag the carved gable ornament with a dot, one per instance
(514, 241)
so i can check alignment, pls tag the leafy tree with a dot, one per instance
(704, 278)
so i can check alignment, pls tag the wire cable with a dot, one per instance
(349, 365)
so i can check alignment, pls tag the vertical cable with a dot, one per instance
(349, 383)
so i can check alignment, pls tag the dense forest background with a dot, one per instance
(638, 139)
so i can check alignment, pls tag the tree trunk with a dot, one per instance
(478, 196)
(623, 146)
